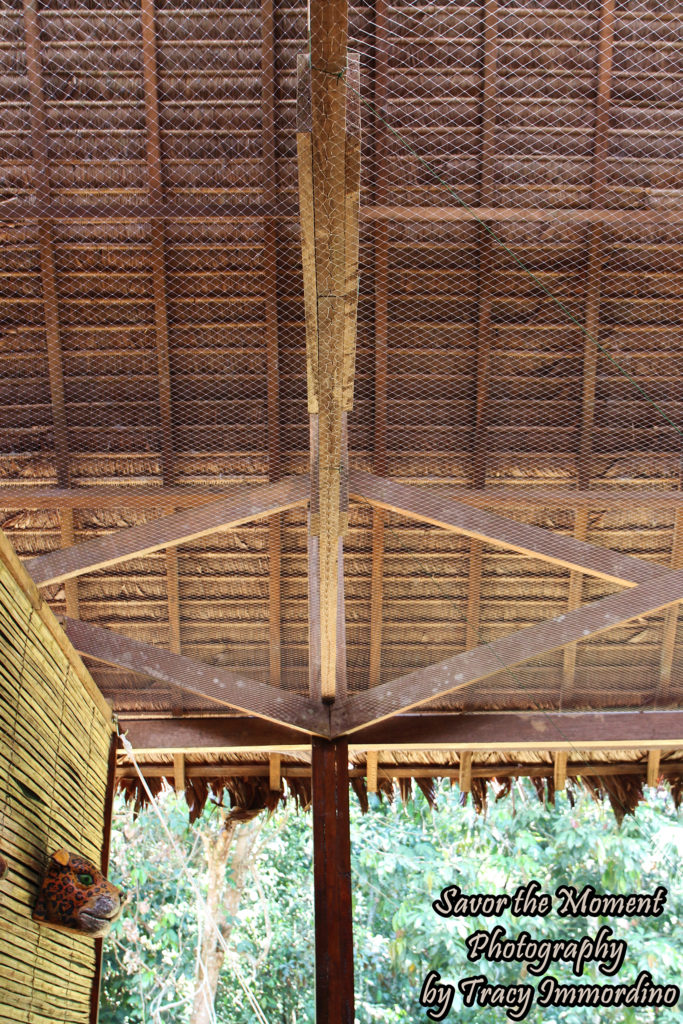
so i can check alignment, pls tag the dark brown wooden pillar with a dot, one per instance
(332, 883)
(104, 864)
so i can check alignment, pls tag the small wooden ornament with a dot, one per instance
(4, 867)
(75, 896)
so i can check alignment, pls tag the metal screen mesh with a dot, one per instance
(521, 250)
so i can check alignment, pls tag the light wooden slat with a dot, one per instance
(179, 772)
(653, 762)
(274, 771)
(574, 602)
(560, 770)
(371, 770)
(465, 772)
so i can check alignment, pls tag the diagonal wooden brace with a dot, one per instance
(440, 510)
(226, 688)
(243, 507)
(488, 659)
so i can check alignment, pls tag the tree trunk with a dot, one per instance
(216, 917)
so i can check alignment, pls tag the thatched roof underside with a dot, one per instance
(152, 331)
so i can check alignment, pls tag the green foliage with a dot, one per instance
(403, 855)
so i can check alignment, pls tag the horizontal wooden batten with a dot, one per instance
(440, 510)
(483, 731)
(178, 208)
(179, 528)
(226, 688)
(409, 771)
(520, 214)
(145, 496)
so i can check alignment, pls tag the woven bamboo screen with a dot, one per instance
(54, 745)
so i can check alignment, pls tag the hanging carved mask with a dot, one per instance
(76, 896)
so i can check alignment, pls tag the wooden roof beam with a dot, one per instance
(481, 731)
(467, 668)
(247, 506)
(224, 687)
(440, 510)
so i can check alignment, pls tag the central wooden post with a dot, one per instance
(332, 883)
(328, 147)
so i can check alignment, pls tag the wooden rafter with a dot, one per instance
(485, 304)
(521, 214)
(41, 182)
(381, 267)
(272, 338)
(485, 280)
(595, 240)
(157, 250)
(440, 510)
(251, 504)
(222, 686)
(464, 669)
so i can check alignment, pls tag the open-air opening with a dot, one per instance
(163, 961)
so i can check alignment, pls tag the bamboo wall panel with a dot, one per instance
(54, 749)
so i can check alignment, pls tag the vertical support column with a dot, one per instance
(104, 866)
(332, 883)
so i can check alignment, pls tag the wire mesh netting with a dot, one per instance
(519, 311)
